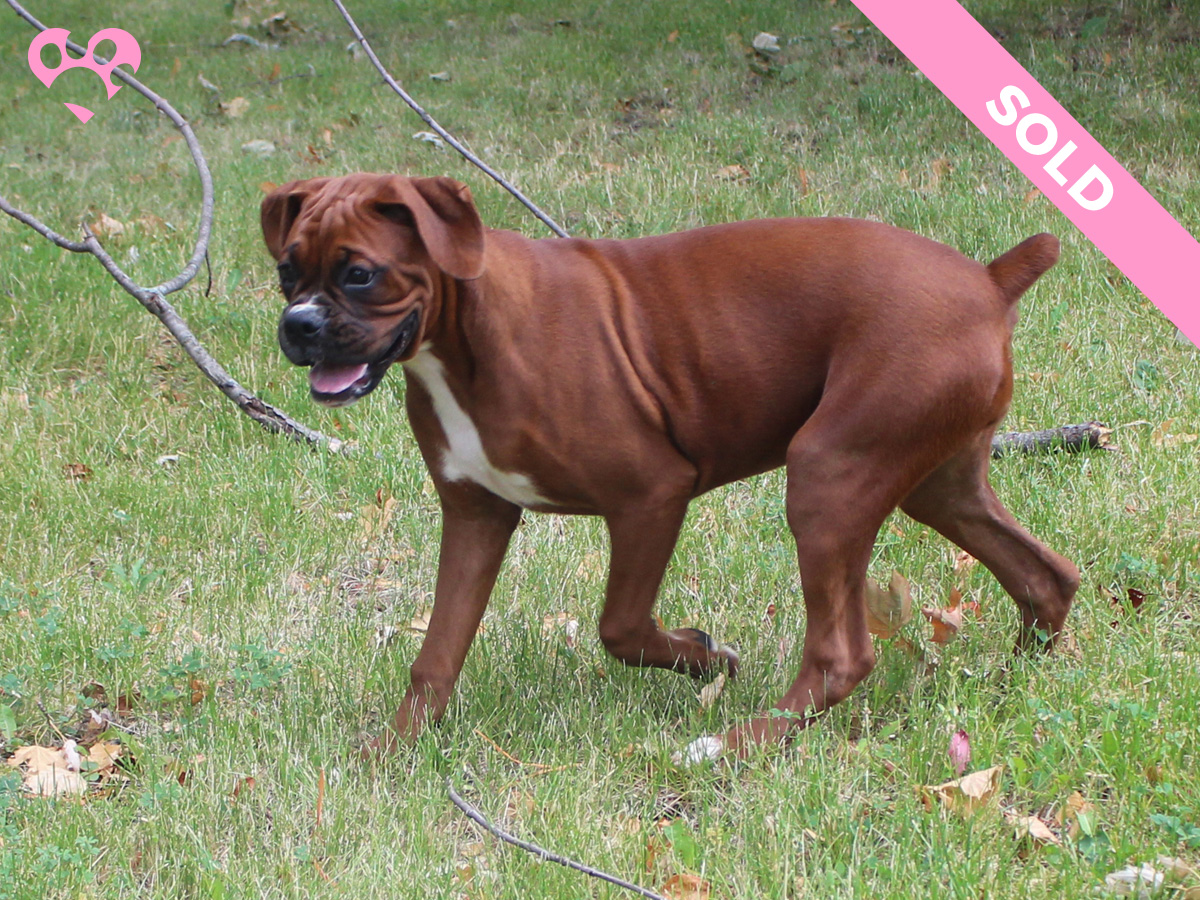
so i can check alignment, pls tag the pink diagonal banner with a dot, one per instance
(1053, 150)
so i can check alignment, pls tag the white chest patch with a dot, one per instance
(464, 458)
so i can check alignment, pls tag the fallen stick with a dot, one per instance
(477, 817)
(154, 299)
(1087, 436)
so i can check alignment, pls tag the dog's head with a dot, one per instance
(362, 260)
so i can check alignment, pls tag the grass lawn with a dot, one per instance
(220, 591)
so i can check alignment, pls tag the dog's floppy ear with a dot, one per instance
(445, 217)
(280, 208)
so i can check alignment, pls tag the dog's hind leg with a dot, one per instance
(846, 472)
(957, 500)
(643, 537)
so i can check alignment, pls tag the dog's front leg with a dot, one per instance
(643, 538)
(476, 527)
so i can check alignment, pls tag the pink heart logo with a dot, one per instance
(129, 53)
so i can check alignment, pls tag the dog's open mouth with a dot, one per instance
(332, 384)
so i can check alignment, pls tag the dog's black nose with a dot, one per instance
(302, 323)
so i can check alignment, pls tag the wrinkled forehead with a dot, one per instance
(335, 220)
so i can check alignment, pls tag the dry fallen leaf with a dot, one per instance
(1068, 816)
(235, 108)
(77, 471)
(246, 783)
(686, 887)
(105, 226)
(964, 562)
(946, 621)
(939, 168)
(1033, 828)
(711, 691)
(888, 612)
(1139, 881)
(376, 517)
(967, 795)
(420, 622)
(46, 772)
(199, 690)
(737, 172)
(105, 755)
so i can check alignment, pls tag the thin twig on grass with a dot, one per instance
(154, 298)
(442, 132)
(478, 818)
(541, 768)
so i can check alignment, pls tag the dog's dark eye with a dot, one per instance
(287, 276)
(357, 276)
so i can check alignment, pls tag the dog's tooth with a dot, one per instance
(703, 749)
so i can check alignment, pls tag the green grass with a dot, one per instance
(244, 563)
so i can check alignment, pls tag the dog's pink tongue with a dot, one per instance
(327, 379)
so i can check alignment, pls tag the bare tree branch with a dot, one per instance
(477, 817)
(445, 135)
(154, 298)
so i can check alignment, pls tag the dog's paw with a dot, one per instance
(715, 648)
(708, 748)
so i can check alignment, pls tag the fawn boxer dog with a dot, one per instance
(623, 378)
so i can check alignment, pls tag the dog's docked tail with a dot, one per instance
(1020, 267)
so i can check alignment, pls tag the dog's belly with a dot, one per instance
(464, 458)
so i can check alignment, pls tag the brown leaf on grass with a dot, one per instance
(1033, 828)
(77, 471)
(47, 772)
(376, 517)
(150, 223)
(199, 690)
(235, 108)
(946, 621)
(888, 612)
(939, 168)
(1032, 195)
(1068, 816)
(711, 691)
(105, 226)
(243, 784)
(964, 562)
(111, 761)
(686, 887)
(802, 174)
(736, 173)
(1136, 599)
(420, 622)
(1163, 439)
(967, 795)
